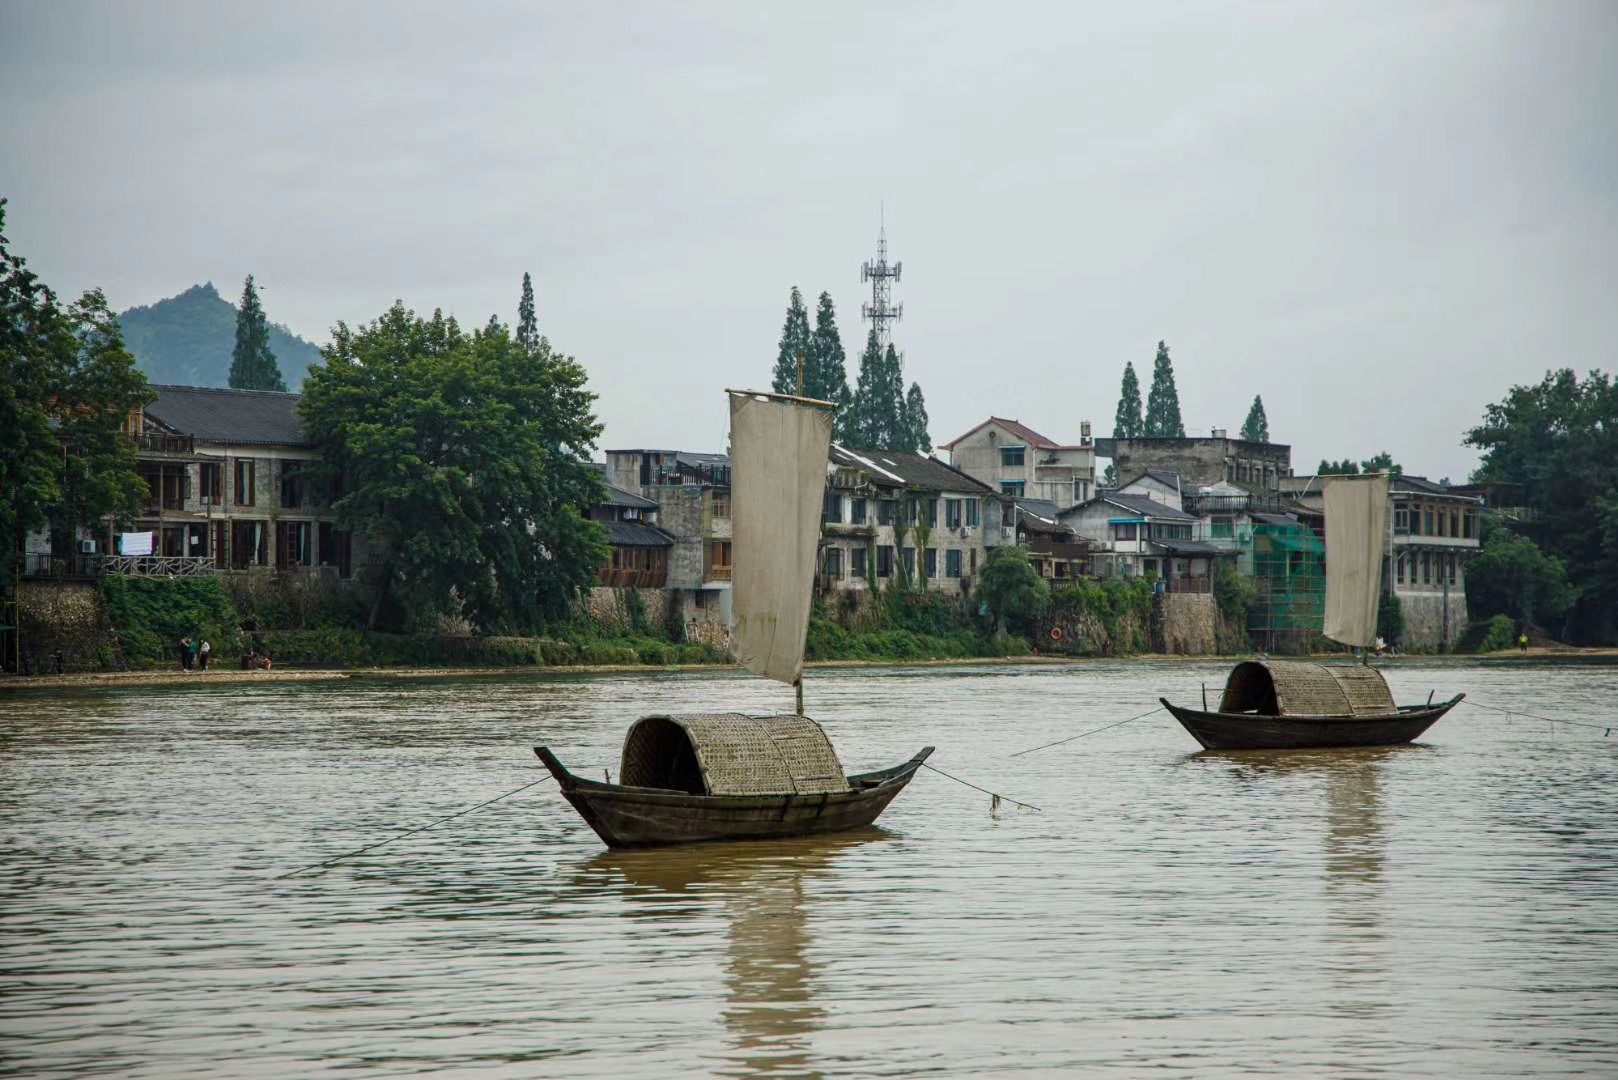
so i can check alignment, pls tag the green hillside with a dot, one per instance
(187, 340)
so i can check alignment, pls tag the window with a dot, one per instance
(856, 511)
(1452, 564)
(1014, 488)
(973, 559)
(1223, 527)
(1454, 523)
(834, 563)
(931, 563)
(912, 510)
(1011, 457)
(213, 483)
(718, 560)
(1427, 523)
(832, 511)
(971, 513)
(952, 513)
(884, 560)
(1124, 532)
(932, 513)
(1399, 569)
(721, 505)
(856, 561)
(909, 556)
(1426, 570)
(1060, 569)
(291, 486)
(886, 511)
(1469, 524)
(952, 563)
(244, 481)
(1401, 520)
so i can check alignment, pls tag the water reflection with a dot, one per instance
(765, 891)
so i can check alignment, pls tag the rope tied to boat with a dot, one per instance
(995, 798)
(1603, 728)
(410, 832)
(1092, 731)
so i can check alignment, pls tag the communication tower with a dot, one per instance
(881, 310)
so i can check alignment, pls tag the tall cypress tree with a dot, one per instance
(1127, 424)
(527, 318)
(252, 364)
(861, 426)
(1257, 427)
(796, 341)
(830, 367)
(1163, 403)
(894, 434)
(916, 422)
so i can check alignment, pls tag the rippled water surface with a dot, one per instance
(1448, 908)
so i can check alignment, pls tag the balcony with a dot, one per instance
(157, 442)
(88, 567)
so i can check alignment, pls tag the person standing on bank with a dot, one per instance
(203, 654)
(185, 653)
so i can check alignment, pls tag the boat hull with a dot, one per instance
(1249, 731)
(629, 817)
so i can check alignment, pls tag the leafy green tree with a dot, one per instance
(1346, 467)
(915, 423)
(67, 387)
(1382, 462)
(1163, 403)
(1257, 426)
(1512, 576)
(1109, 477)
(826, 360)
(252, 365)
(527, 317)
(464, 458)
(1127, 423)
(1390, 619)
(797, 343)
(1014, 592)
(1558, 440)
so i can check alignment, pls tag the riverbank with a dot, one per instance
(117, 680)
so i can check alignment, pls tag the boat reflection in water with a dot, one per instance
(765, 891)
(1354, 958)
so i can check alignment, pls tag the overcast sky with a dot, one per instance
(1379, 217)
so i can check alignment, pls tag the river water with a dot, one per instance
(1448, 908)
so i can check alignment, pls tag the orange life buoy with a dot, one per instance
(1056, 633)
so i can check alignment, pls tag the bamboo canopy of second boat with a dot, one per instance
(1300, 689)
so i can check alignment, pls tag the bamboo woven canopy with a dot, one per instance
(731, 754)
(1295, 688)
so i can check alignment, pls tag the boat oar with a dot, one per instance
(410, 832)
(1603, 728)
(1092, 731)
(995, 797)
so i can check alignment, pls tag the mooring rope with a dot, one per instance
(998, 798)
(411, 832)
(1092, 731)
(1603, 728)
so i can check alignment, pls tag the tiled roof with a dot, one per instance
(211, 414)
(617, 496)
(1138, 504)
(634, 534)
(1022, 431)
(890, 467)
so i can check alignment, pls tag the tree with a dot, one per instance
(915, 423)
(1390, 619)
(1382, 462)
(527, 318)
(796, 344)
(67, 387)
(252, 365)
(465, 459)
(1514, 577)
(1556, 443)
(1346, 467)
(1128, 423)
(1257, 426)
(826, 360)
(1163, 403)
(1012, 589)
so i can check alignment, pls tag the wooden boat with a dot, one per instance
(729, 776)
(1285, 705)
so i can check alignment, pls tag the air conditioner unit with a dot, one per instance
(87, 547)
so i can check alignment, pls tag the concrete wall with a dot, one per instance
(61, 616)
(1425, 618)
(611, 609)
(1187, 623)
(1204, 462)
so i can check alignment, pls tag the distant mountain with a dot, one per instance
(188, 339)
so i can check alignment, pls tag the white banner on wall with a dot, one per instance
(137, 543)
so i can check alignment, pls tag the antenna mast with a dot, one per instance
(881, 310)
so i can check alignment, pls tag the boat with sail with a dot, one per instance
(1288, 704)
(733, 776)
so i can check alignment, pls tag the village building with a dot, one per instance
(1018, 461)
(1133, 534)
(1202, 462)
(640, 550)
(890, 516)
(1432, 535)
(1054, 550)
(692, 493)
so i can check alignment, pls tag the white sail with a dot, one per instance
(778, 451)
(1356, 528)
